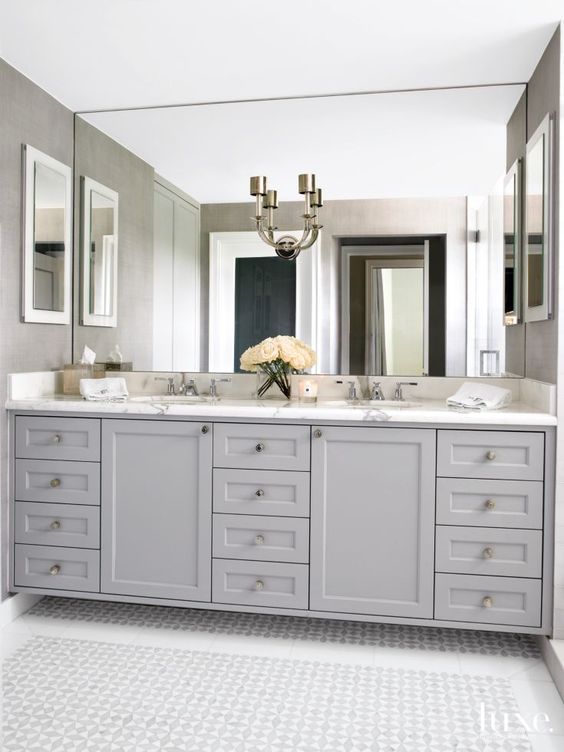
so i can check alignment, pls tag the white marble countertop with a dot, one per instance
(426, 411)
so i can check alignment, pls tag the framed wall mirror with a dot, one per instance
(47, 239)
(538, 233)
(99, 254)
(512, 198)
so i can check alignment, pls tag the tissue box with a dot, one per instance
(73, 372)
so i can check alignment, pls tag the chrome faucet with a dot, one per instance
(376, 392)
(353, 396)
(213, 386)
(188, 387)
(170, 383)
(398, 394)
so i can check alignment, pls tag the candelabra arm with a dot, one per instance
(268, 238)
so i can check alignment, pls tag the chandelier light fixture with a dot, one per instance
(287, 247)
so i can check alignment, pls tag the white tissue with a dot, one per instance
(104, 390)
(479, 396)
(88, 356)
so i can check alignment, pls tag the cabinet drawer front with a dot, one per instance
(489, 551)
(491, 454)
(490, 503)
(269, 492)
(258, 583)
(57, 568)
(260, 538)
(46, 438)
(68, 525)
(511, 601)
(58, 482)
(261, 447)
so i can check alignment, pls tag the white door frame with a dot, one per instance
(225, 248)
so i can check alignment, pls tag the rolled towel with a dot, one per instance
(104, 390)
(479, 396)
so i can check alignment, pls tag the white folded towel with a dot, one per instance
(104, 390)
(480, 397)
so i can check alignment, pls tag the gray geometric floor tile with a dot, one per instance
(290, 627)
(71, 695)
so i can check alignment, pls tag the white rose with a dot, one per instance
(286, 347)
(267, 351)
(248, 360)
(298, 362)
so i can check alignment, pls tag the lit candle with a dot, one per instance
(307, 390)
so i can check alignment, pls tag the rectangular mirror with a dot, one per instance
(538, 224)
(99, 254)
(512, 198)
(47, 244)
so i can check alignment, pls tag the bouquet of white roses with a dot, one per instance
(278, 357)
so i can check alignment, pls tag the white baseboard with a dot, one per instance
(16, 605)
(554, 659)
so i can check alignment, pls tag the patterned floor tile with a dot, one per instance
(290, 627)
(69, 695)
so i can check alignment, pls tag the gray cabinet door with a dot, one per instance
(156, 509)
(372, 521)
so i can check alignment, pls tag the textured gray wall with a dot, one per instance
(359, 218)
(99, 157)
(531, 349)
(27, 115)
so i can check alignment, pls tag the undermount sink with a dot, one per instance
(174, 399)
(374, 404)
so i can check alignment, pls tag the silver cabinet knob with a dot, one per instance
(55, 525)
(259, 492)
(488, 552)
(55, 569)
(205, 429)
(259, 585)
(55, 482)
(490, 505)
(259, 540)
(487, 602)
(490, 455)
(318, 433)
(259, 447)
(56, 439)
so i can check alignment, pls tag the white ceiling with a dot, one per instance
(94, 54)
(433, 143)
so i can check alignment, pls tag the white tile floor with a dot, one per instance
(529, 679)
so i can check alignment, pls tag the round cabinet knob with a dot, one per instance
(317, 433)
(487, 602)
(205, 429)
(259, 492)
(488, 553)
(490, 455)
(55, 569)
(490, 505)
(259, 540)
(55, 525)
(259, 585)
(259, 447)
(56, 439)
(55, 483)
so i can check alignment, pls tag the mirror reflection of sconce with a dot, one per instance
(47, 239)
(99, 254)
(538, 224)
(512, 237)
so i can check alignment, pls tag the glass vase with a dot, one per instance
(273, 381)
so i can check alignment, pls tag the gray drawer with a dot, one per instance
(50, 438)
(68, 525)
(58, 482)
(490, 503)
(491, 551)
(57, 568)
(258, 583)
(261, 447)
(511, 601)
(517, 455)
(260, 538)
(270, 492)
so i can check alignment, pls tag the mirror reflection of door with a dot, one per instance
(535, 224)
(49, 239)
(395, 317)
(265, 301)
(512, 244)
(102, 249)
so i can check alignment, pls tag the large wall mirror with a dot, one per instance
(538, 277)
(413, 270)
(99, 254)
(47, 239)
